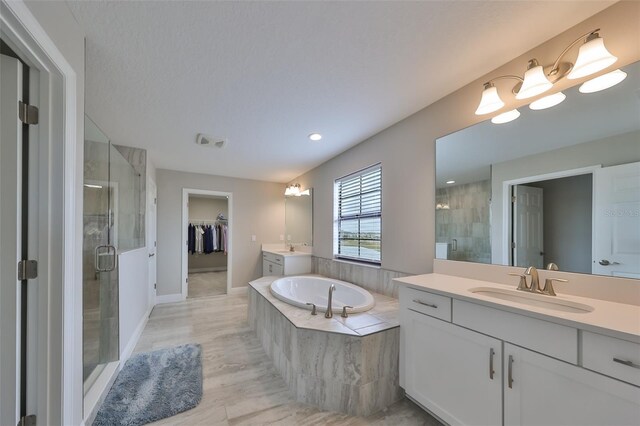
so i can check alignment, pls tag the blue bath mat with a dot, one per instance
(153, 386)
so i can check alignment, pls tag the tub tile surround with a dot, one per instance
(346, 365)
(372, 278)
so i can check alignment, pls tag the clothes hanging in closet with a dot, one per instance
(206, 239)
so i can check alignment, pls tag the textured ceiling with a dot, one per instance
(266, 74)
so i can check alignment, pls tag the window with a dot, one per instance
(359, 215)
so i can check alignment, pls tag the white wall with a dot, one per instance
(407, 149)
(618, 149)
(258, 209)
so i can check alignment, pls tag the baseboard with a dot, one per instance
(238, 290)
(128, 350)
(212, 269)
(169, 298)
(98, 391)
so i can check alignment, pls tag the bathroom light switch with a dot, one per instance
(253, 238)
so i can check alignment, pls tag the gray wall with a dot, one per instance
(406, 149)
(619, 149)
(567, 225)
(466, 220)
(258, 209)
(207, 209)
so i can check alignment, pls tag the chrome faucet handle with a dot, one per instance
(344, 311)
(522, 285)
(313, 309)
(548, 285)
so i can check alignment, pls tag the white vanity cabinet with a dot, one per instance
(453, 372)
(285, 264)
(472, 364)
(540, 390)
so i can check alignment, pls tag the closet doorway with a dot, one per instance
(206, 260)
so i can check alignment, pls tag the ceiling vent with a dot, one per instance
(210, 141)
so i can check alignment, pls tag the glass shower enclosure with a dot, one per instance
(100, 254)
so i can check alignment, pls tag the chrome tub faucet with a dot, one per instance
(329, 312)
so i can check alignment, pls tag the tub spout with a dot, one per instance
(329, 312)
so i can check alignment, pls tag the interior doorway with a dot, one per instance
(207, 252)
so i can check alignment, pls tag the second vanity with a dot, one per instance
(276, 261)
(474, 352)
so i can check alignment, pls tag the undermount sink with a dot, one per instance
(532, 299)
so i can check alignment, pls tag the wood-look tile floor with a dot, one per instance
(202, 284)
(241, 386)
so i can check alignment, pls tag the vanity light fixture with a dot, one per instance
(592, 57)
(292, 190)
(506, 117)
(450, 182)
(88, 185)
(315, 136)
(548, 101)
(603, 82)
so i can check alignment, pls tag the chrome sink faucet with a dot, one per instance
(534, 287)
(535, 280)
(329, 312)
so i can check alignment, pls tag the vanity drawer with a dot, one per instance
(272, 257)
(555, 340)
(426, 303)
(599, 352)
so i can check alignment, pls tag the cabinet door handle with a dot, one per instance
(510, 379)
(491, 370)
(627, 363)
(420, 302)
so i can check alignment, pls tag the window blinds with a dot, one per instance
(359, 198)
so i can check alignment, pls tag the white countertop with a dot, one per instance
(613, 319)
(285, 252)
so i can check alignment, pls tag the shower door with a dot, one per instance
(100, 272)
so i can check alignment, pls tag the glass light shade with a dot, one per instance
(603, 82)
(490, 101)
(506, 117)
(548, 101)
(287, 192)
(592, 57)
(535, 82)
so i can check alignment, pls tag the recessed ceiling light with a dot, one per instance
(449, 182)
(548, 101)
(506, 117)
(603, 82)
(315, 136)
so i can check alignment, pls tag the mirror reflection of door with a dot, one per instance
(528, 226)
(616, 242)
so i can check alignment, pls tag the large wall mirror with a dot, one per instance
(299, 218)
(558, 186)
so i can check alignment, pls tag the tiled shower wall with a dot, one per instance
(466, 220)
(372, 278)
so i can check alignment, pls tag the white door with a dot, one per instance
(616, 237)
(528, 227)
(152, 202)
(10, 249)
(545, 391)
(454, 372)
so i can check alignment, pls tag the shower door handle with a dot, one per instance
(111, 250)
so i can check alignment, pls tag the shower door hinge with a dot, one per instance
(27, 270)
(29, 420)
(513, 199)
(28, 114)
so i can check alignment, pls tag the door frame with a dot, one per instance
(55, 207)
(507, 222)
(152, 291)
(185, 223)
